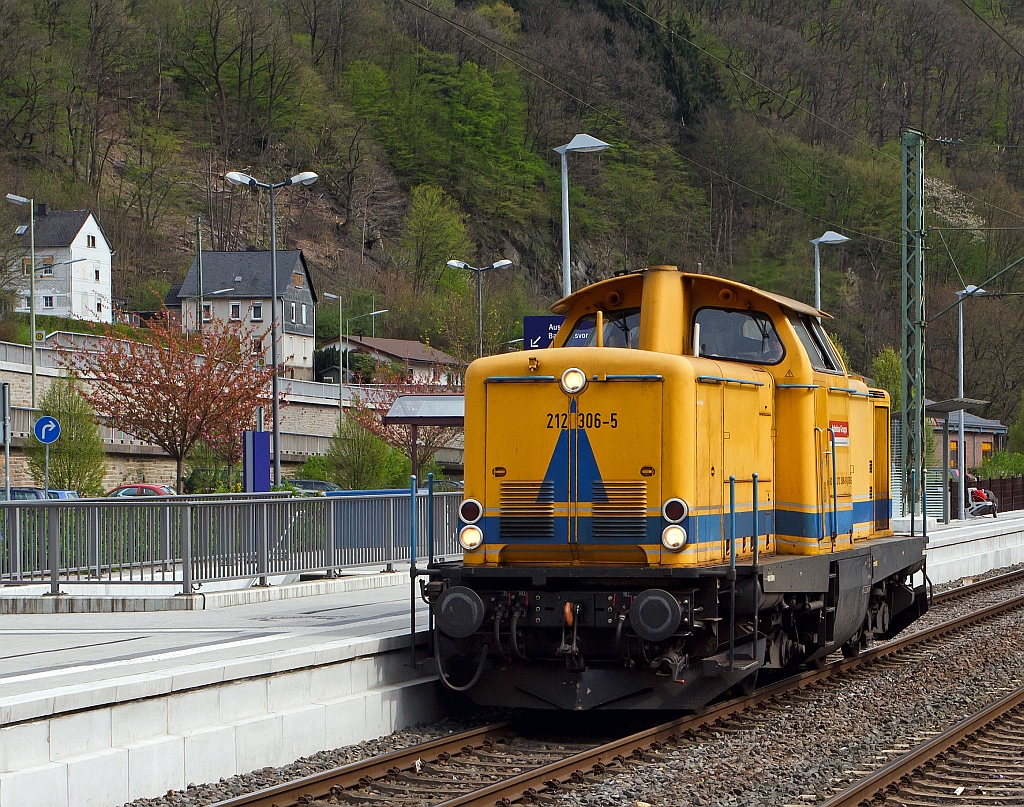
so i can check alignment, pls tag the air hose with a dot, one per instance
(444, 676)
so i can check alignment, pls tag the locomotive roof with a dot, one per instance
(566, 303)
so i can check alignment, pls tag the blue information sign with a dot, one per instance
(47, 430)
(256, 462)
(540, 331)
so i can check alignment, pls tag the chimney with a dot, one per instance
(41, 209)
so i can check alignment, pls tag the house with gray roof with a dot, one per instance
(73, 258)
(236, 286)
(425, 364)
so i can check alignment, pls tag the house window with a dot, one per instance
(26, 266)
(236, 310)
(47, 301)
(90, 241)
(96, 270)
(303, 313)
(298, 280)
(99, 307)
(257, 312)
(207, 312)
(47, 267)
(986, 450)
(257, 345)
(293, 312)
(28, 302)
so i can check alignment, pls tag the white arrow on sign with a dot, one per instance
(48, 427)
(535, 342)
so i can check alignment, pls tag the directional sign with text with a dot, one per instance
(540, 331)
(47, 430)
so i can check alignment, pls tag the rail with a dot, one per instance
(190, 541)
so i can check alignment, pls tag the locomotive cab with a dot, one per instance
(688, 476)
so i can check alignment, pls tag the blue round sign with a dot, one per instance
(47, 430)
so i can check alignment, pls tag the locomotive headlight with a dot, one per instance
(471, 537)
(672, 537)
(470, 511)
(573, 380)
(674, 510)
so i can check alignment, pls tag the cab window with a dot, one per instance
(621, 329)
(819, 349)
(747, 336)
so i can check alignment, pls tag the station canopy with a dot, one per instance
(941, 409)
(427, 410)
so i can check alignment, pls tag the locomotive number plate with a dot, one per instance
(583, 420)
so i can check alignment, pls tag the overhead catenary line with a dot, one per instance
(641, 135)
(804, 109)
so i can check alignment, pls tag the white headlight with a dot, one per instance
(573, 380)
(673, 537)
(471, 537)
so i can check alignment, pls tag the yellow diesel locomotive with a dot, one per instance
(685, 488)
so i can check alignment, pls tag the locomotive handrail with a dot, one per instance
(796, 386)
(850, 391)
(635, 377)
(498, 379)
(715, 379)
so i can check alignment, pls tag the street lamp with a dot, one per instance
(305, 178)
(581, 143)
(21, 200)
(341, 380)
(830, 237)
(479, 293)
(373, 314)
(961, 455)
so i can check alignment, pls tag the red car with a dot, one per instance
(142, 489)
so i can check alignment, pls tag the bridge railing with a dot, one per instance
(186, 542)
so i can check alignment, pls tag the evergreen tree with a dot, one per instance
(77, 459)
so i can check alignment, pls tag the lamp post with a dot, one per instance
(21, 200)
(341, 380)
(305, 178)
(961, 458)
(830, 237)
(480, 294)
(582, 143)
(372, 314)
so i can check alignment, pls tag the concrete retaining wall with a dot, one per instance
(136, 747)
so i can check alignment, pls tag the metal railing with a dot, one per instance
(190, 541)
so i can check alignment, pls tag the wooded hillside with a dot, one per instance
(740, 131)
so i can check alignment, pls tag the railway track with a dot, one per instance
(978, 761)
(490, 765)
(979, 585)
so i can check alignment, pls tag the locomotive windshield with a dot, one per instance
(621, 329)
(747, 336)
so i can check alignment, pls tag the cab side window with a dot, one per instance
(746, 336)
(819, 349)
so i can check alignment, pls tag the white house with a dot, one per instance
(425, 364)
(236, 286)
(72, 266)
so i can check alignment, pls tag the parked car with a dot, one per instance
(23, 494)
(313, 486)
(142, 489)
(64, 494)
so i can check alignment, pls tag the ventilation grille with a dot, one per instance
(620, 510)
(527, 510)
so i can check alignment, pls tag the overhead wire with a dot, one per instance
(808, 112)
(493, 46)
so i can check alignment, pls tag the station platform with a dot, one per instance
(102, 708)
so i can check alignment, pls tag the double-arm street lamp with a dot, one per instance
(582, 143)
(372, 314)
(479, 293)
(830, 237)
(305, 178)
